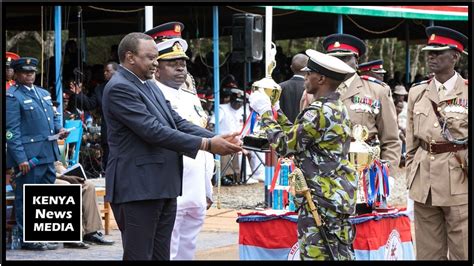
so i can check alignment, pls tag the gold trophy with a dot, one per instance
(258, 141)
(361, 155)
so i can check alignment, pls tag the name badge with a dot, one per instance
(28, 101)
(47, 97)
(309, 116)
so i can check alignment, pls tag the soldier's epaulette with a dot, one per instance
(188, 89)
(189, 85)
(421, 82)
(10, 90)
(369, 78)
(316, 104)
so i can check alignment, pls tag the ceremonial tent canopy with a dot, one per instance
(289, 22)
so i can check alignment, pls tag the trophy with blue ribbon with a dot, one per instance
(257, 140)
(373, 186)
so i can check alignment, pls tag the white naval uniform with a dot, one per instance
(197, 174)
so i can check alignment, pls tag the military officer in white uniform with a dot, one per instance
(197, 173)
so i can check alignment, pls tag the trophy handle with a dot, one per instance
(272, 64)
(360, 133)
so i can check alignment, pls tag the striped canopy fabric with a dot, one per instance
(411, 12)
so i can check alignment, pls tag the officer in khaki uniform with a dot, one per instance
(373, 69)
(368, 101)
(436, 158)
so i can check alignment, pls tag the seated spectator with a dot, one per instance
(91, 218)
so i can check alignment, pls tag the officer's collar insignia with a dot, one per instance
(337, 44)
(9, 135)
(177, 28)
(433, 36)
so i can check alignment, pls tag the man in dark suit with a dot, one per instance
(147, 141)
(293, 88)
(95, 102)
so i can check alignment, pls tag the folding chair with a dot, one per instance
(73, 141)
(256, 168)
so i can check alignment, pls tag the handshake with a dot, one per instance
(222, 144)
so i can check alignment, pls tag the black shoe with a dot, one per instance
(34, 246)
(97, 238)
(80, 245)
(52, 246)
(226, 181)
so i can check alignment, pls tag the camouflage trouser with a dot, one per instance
(338, 231)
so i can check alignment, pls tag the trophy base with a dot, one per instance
(386, 210)
(362, 208)
(256, 144)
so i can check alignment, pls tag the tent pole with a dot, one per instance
(339, 24)
(215, 48)
(148, 17)
(58, 59)
(407, 54)
(270, 157)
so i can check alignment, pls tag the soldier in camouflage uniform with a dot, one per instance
(367, 99)
(319, 141)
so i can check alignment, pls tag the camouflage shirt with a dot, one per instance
(319, 141)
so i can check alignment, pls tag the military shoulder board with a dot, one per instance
(316, 104)
(189, 85)
(421, 82)
(186, 88)
(11, 89)
(369, 78)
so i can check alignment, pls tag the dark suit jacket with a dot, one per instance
(292, 90)
(147, 141)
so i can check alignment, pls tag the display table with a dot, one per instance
(272, 235)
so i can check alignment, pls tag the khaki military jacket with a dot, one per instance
(440, 173)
